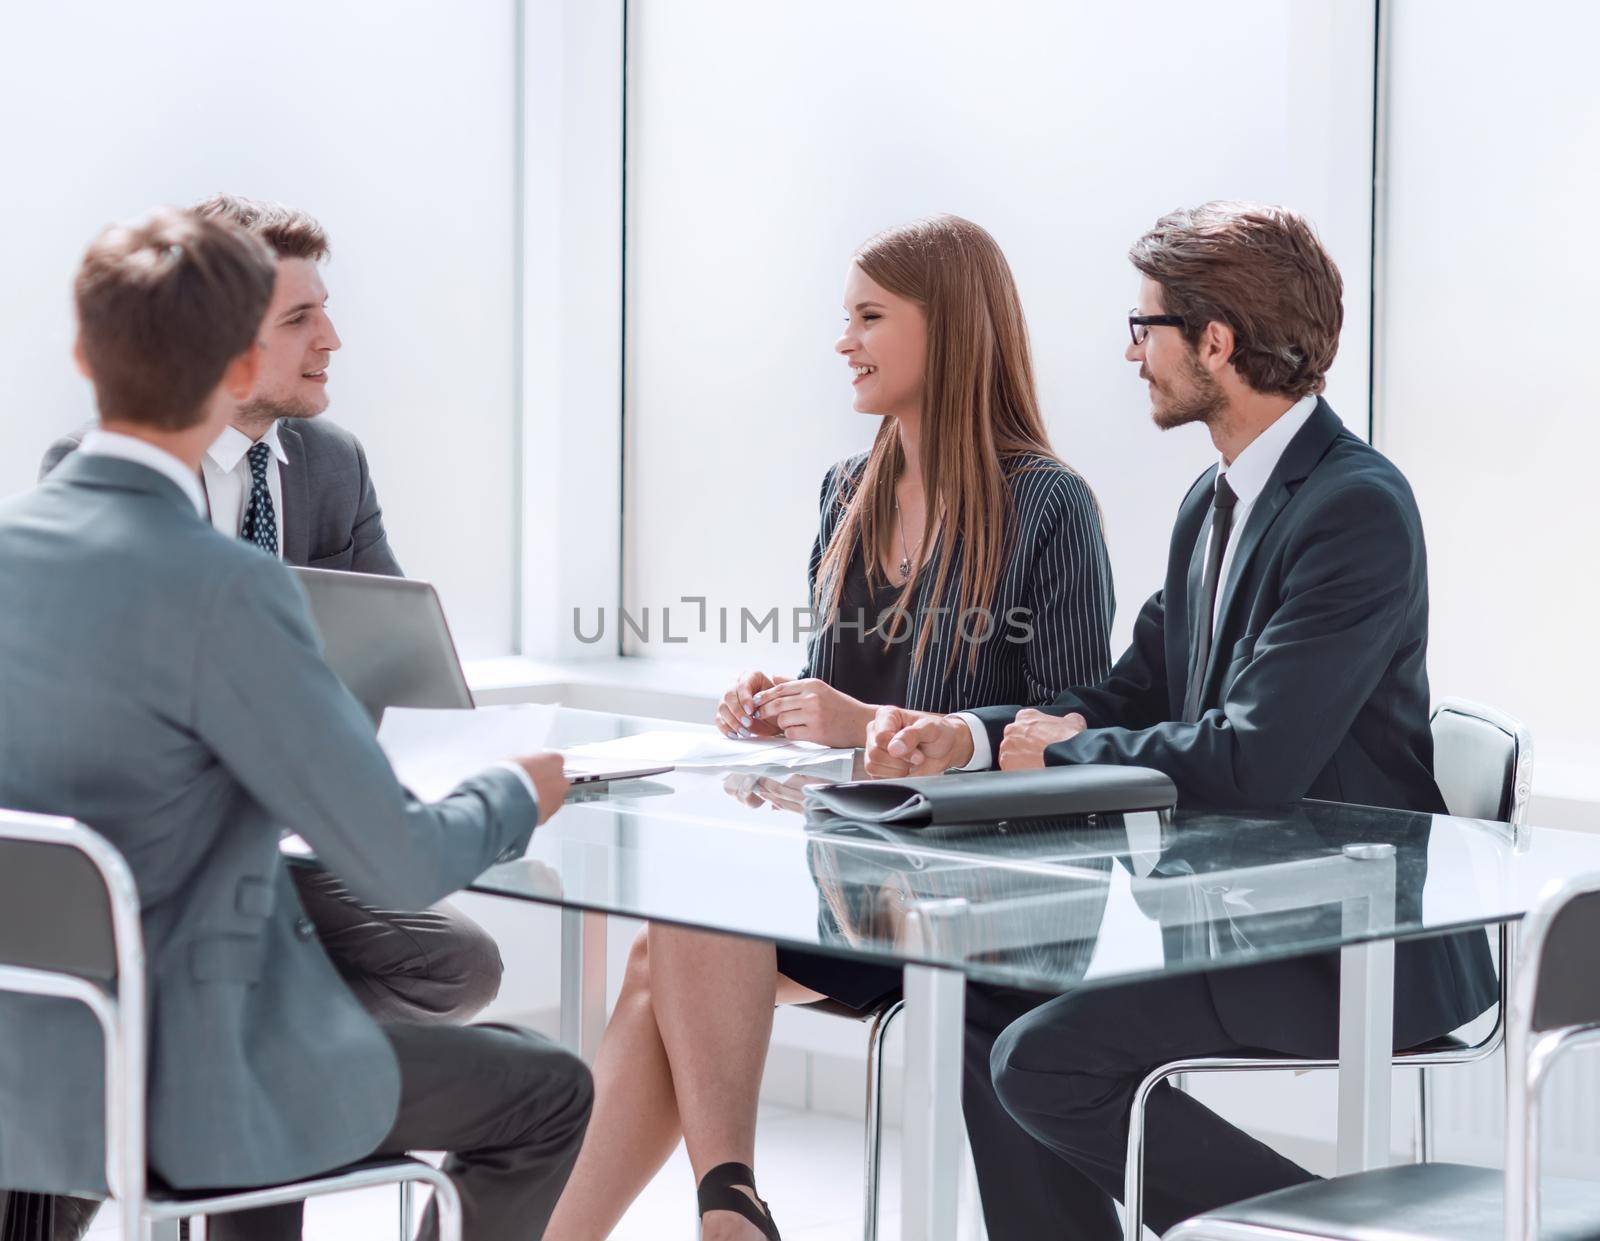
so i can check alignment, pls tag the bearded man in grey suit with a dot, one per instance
(298, 486)
(176, 699)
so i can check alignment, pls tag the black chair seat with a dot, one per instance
(836, 1008)
(1415, 1202)
(1445, 1042)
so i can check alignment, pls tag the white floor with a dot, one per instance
(809, 1166)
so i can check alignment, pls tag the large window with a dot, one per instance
(468, 164)
(392, 123)
(766, 141)
(1487, 394)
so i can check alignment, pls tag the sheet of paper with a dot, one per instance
(704, 749)
(433, 751)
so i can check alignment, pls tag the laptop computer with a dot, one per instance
(387, 639)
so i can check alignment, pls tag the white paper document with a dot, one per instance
(704, 749)
(433, 751)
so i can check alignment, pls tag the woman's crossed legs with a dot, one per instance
(682, 1056)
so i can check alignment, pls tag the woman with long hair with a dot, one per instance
(958, 563)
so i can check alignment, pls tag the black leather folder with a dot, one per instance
(984, 796)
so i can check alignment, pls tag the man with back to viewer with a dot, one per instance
(283, 477)
(177, 702)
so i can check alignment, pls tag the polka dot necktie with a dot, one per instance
(260, 525)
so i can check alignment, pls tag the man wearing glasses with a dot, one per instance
(1284, 657)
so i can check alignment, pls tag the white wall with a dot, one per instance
(766, 142)
(392, 123)
(1488, 395)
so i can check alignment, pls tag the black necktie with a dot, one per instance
(260, 525)
(1221, 522)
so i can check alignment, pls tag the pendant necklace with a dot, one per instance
(905, 553)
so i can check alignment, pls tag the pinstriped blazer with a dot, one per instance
(1057, 572)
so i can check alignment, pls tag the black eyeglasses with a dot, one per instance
(1139, 325)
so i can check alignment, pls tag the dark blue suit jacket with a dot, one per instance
(1317, 686)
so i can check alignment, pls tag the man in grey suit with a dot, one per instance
(165, 685)
(298, 486)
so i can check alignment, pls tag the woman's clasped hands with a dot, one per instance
(804, 709)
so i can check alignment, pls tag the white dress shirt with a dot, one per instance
(226, 468)
(99, 443)
(1247, 474)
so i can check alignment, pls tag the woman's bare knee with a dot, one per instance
(671, 938)
(636, 975)
(790, 992)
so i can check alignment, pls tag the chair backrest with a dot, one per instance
(1562, 944)
(55, 910)
(1482, 761)
(1555, 1008)
(69, 928)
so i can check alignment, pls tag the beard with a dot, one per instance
(1196, 398)
(265, 410)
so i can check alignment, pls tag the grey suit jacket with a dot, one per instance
(331, 515)
(164, 685)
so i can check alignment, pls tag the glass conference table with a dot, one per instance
(1052, 904)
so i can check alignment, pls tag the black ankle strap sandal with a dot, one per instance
(718, 1192)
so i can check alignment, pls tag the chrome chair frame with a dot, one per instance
(1516, 801)
(120, 1013)
(872, 1154)
(1530, 1056)
(876, 1037)
(1536, 1053)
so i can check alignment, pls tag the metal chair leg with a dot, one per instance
(1421, 1121)
(877, 1037)
(1133, 1172)
(407, 1222)
(133, 1221)
(447, 1204)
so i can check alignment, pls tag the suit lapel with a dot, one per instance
(1197, 569)
(1305, 450)
(1189, 535)
(296, 496)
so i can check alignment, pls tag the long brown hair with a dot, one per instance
(980, 408)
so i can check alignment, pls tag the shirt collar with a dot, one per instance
(1251, 468)
(229, 448)
(128, 448)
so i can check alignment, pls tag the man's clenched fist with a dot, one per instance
(1028, 735)
(915, 743)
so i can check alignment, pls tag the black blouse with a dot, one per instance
(864, 665)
